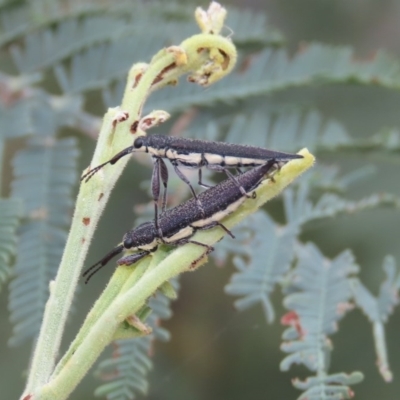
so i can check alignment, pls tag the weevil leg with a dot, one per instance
(209, 248)
(200, 180)
(155, 188)
(186, 180)
(132, 258)
(100, 264)
(111, 161)
(164, 180)
(231, 176)
(208, 251)
(216, 223)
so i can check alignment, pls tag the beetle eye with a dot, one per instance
(127, 242)
(138, 142)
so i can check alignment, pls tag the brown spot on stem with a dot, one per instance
(100, 196)
(138, 77)
(27, 397)
(120, 117)
(146, 123)
(134, 126)
(226, 59)
(160, 76)
(86, 221)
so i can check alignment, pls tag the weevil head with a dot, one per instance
(155, 145)
(144, 237)
(140, 143)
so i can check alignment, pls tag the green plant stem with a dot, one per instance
(93, 196)
(62, 289)
(117, 282)
(176, 262)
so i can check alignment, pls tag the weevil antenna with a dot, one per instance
(90, 173)
(100, 264)
(122, 153)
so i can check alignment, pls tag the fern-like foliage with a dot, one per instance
(90, 46)
(272, 71)
(289, 130)
(378, 309)
(16, 121)
(299, 209)
(45, 173)
(10, 211)
(257, 278)
(49, 46)
(44, 48)
(126, 371)
(101, 65)
(312, 318)
(102, 47)
(319, 294)
(19, 20)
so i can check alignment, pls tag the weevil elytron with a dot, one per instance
(194, 153)
(177, 225)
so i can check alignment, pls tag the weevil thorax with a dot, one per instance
(144, 237)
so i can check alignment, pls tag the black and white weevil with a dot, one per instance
(194, 153)
(177, 225)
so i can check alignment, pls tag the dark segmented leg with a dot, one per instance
(200, 180)
(132, 258)
(100, 264)
(216, 223)
(164, 180)
(208, 251)
(159, 171)
(155, 188)
(231, 176)
(111, 161)
(208, 247)
(186, 180)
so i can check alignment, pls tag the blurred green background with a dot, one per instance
(215, 352)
